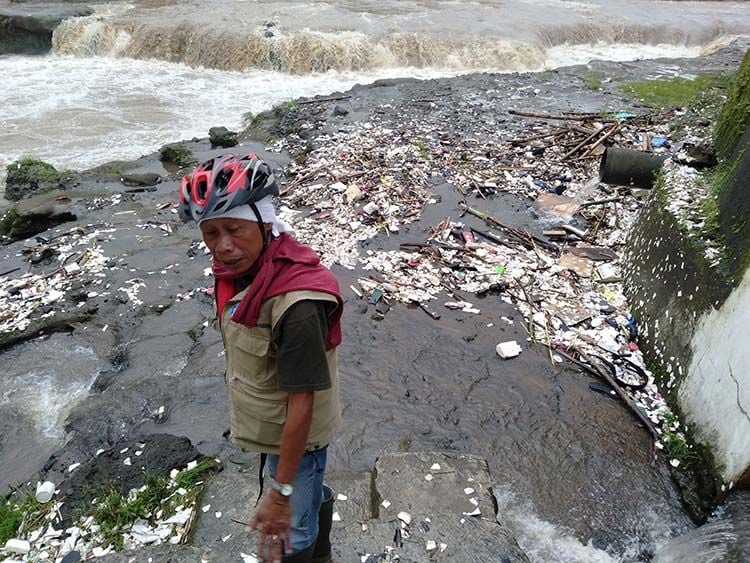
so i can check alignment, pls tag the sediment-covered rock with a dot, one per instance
(27, 28)
(35, 215)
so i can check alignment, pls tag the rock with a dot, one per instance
(29, 176)
(71, 557)
(233, 493)
(222, 137)
(178, 154)
(340, 111)
(698, 155)
(161, 454)
(438, 511)
(143, 179)
(35, 215)
(28, 29)
(165, 553)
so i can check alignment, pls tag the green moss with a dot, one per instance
(735, 116)
(670, 93)
(177, 154)
(718, 179)
(28, 176)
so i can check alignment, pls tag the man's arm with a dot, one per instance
(273, 518)
(294, 436)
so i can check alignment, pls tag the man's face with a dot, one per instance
(234, 243)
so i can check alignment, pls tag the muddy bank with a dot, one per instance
(410, 383)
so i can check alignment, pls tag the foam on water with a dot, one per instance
(545, 542)
(44, 394)
(80, 112)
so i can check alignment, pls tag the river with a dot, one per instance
(134, 76)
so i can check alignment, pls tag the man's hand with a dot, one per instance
(273, 520)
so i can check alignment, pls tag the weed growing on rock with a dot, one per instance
(594, 80)
(19, 508)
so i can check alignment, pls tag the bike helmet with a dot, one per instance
(225, 182)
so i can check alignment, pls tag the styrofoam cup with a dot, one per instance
(45, 491)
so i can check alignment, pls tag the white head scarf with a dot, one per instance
(267, 215)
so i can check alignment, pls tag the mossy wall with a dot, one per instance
(735, 116)
(733, 193)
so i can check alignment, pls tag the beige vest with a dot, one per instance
(257, 407)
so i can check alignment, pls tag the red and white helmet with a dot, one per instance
(225, 182)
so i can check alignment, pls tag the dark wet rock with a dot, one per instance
(697, 155)
(165, 553)
(222, 137)
(29, 176)
(61, 322)
(340, 111)
(35, 215)
(178, 154)
(72, 557)
(27, 28)
(161, 454)
(142, 179)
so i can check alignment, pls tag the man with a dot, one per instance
(279, 312)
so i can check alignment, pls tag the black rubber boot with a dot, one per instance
(322, 552)
(299, 557)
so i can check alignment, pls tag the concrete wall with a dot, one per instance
(715, 395)
(695, 321)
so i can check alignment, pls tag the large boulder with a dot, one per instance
(30, 176)
(35, 215)
(160, 454)
(27, 28)
(222, 137)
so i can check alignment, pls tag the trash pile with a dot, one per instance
(357, 185)
(567, 284)
(73, 253)
(108, 524)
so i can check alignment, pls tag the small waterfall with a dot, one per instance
(724, 538)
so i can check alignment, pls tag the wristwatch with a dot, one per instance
(281, 488)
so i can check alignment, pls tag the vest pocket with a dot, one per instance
(254, 419)
(249, 348)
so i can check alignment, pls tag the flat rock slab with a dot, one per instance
(423, 503)
(160, 554)
(232, 493)
(352, 491)
(426, 484)
(473, 541)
